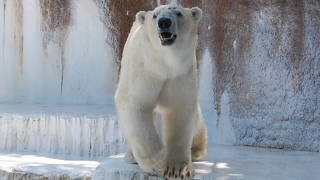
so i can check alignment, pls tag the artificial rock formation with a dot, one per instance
(260, 70)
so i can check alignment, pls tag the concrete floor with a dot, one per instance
(229, 163)
(222, 163)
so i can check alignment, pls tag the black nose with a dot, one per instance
(164, 23)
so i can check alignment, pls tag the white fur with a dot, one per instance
(163, 78)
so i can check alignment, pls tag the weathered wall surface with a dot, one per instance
(266, 62)
(55, 52)
(259, 62)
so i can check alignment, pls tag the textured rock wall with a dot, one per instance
(266, 59)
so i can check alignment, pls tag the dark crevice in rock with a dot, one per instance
(62, 71)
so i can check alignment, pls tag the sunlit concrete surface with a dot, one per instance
(229, 163)
(34, 167)
(222, 163)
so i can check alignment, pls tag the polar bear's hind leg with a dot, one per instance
(199, 147)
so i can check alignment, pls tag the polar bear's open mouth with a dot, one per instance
(167, 38)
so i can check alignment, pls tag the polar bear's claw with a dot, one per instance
(182, 171)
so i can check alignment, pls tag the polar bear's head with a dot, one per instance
(169, 25)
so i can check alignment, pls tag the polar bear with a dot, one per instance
(159, 74)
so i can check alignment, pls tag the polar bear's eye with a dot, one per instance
(154, 16)
(179, 14)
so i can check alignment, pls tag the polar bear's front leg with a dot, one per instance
(178, 129)
(142, 136)
(135, 101)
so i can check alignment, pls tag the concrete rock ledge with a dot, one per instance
(34, 167)
(17, 175)
(88, 131)
(222, 163)
(115, 168)
(228, 163)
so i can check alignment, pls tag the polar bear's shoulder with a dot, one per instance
(136, 27)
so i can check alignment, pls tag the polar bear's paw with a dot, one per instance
(179, 170)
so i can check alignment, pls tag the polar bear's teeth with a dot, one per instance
(169, 38)
(162, 38)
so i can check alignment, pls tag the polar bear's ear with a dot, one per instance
(141, 16)
(196, 13)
